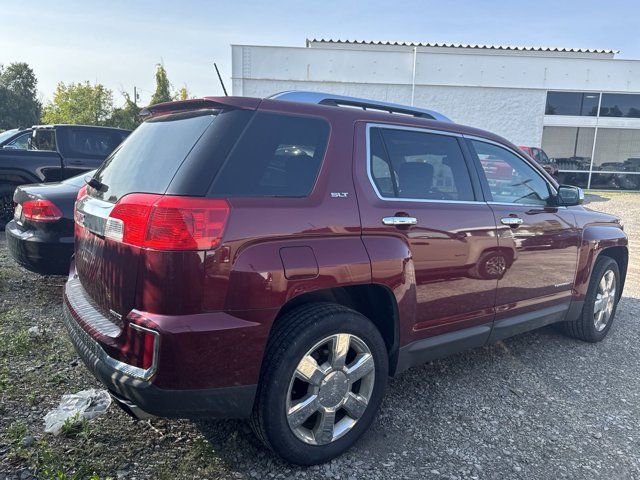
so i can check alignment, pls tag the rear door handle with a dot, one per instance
(400, 221)
(511, 221)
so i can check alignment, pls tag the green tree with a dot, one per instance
(163, 86)
(19, 105)
(182, 94)
(126, 117)
(79, 103)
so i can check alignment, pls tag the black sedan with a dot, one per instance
(40, 236)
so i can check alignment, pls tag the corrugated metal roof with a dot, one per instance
(520, 48)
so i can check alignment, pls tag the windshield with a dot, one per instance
(7, 134)
(149, 158)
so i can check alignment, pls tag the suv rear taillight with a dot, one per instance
(41, 210)
(163, 222)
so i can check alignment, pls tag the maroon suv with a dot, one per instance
(278, 259)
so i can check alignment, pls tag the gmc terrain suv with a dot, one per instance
(278, 259)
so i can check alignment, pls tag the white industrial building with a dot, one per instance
(581, 105)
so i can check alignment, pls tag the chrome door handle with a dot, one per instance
(400, 221)
(511, 221)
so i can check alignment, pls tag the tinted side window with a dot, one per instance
(91, 143)
(278, 155)
(44, 140)
(419, 166)
(510, 178)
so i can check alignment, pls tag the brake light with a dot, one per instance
(41, 210)
(167, 222)
(81, 193)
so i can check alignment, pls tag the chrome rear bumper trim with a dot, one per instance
(91, 351)
(87, 310)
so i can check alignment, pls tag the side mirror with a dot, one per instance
(569, 196)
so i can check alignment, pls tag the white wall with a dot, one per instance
(455, 69)
(514, 114)
(502, 93)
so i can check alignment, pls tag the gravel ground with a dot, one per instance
(539, 405)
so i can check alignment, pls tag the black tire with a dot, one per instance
(6, 203)
(296, 333)
(584, 328)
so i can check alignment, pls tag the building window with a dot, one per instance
(616, 160)
(572, 103)
(570, 147)
(620, 105)
(617, 150)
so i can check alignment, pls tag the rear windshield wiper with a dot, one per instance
(95, 183)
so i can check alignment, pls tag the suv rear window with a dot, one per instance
(149, 158)
(278, 155)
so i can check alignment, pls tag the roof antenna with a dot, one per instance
(220, 78)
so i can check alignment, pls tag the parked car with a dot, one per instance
(15, 139)
(550, 166)
(40, 236)
(278, 259)
(54, 153)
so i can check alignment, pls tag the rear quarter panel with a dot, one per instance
(247, 271)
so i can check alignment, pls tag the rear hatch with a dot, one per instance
(174, 153)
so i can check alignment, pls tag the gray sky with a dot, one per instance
(117, 43)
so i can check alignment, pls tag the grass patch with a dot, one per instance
(16, 432)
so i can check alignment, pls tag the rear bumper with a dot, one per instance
(41, 253)
(126, 384)
(228, 402)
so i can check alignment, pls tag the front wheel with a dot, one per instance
(323, 378)
(600, 303)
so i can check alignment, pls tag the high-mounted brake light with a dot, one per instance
(41, 210)
(167, 222)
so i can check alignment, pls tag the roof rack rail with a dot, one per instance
(366, 104)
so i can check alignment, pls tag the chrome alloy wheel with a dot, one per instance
(605, 300)
(496, 265)
(330, 389)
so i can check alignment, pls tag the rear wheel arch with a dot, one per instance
(374, 301)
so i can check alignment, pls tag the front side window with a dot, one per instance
(19, 143)
(510, 178)
(543, 157)
(418, 165)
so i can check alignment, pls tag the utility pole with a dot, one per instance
(135, 96)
